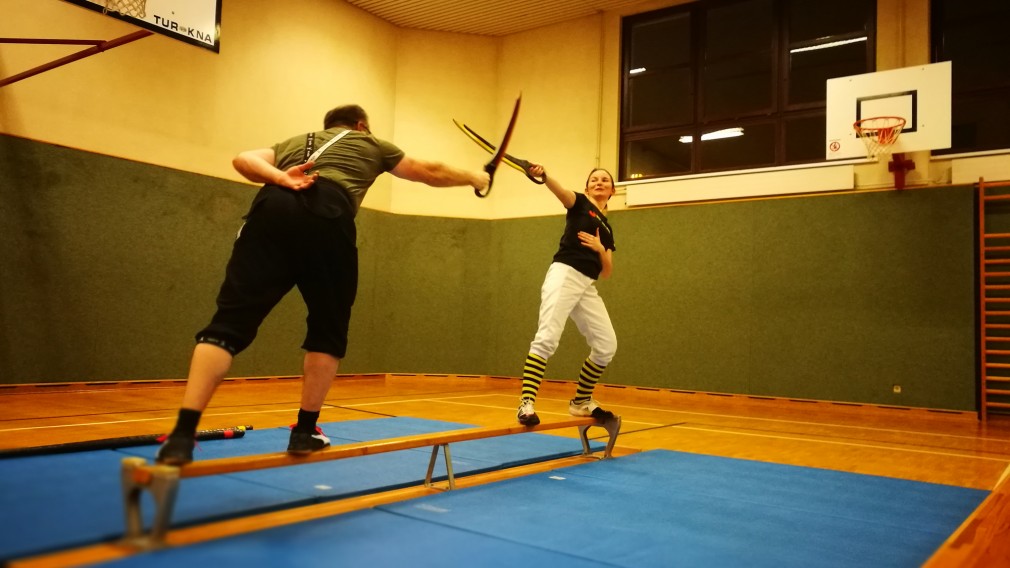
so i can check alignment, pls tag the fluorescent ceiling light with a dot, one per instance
(724, 133)
(636, 71)
(827, 45)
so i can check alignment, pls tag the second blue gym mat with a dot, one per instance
(652, 509)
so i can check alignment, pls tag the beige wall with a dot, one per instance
(560, 74)
(441, 77)
(164, 102)
(558, 71)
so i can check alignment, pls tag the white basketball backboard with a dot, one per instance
(920, 95)
(197, 22)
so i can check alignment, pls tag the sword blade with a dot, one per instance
(517, 163)
(492, 166)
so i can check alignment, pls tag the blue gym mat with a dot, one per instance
(652, 509)
(50, 503)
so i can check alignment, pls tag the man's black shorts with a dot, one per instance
(283, 245)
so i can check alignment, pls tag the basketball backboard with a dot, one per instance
(921, 95)
(197, 22)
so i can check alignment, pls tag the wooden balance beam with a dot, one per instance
(162, 481)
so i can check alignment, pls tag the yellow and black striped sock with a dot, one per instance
(533, 375)
(588, 377)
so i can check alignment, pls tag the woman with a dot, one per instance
(585, 255)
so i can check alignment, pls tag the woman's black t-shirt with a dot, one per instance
(584, 216)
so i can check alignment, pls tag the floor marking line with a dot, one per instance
(889, 448)
(425, 399)
(491, 406)
(173, 417)
(1006, 473)
(734, 416)
(831, 424)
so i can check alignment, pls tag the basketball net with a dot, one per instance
(133, 8)
(879, 133)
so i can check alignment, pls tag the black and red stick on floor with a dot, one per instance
(124, 442)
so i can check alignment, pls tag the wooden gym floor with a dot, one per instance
(950, 448)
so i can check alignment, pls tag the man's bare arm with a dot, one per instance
(437, 174)
(258, 166)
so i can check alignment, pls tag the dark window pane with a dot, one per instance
(749, 63)
(662, 98)
(755, 148)
(662, 43)
(979, 123)
(739, 28)
(738, 86)
(662, 156)
(960, 10)
(972, 35)
(966, 45)
(805, 138)
(810, 20)
(810, 70)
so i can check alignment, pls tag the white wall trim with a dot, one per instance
(989, 167)
(807, 178)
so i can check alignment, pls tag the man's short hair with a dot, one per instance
(346, 115)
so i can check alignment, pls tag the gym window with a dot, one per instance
(720, 85)
(972, 35)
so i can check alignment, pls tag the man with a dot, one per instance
(300, 232)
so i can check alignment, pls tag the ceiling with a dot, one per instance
(484, 17)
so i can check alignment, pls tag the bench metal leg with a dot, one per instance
(164, 486)
(448, 466)
(612, 426)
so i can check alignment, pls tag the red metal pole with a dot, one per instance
(74, 57)
(51, 41)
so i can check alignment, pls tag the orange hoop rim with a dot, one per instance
(879, 133)
(893, 123)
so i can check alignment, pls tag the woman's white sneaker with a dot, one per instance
(526, 415)
(589, 408)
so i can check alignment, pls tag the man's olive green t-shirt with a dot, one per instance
(353, 162)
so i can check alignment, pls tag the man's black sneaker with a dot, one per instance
(176, 450)
(302, 443)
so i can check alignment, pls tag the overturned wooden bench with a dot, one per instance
(162, 481)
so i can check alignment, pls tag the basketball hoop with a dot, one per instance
(879, 133)
(133, 8)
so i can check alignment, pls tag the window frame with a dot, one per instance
(780, 109)
(964, 97)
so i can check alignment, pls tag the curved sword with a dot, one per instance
(508, 159)
(492, 166)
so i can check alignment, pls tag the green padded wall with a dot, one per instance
(422, 295)
(833, 297)
(110, 267)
